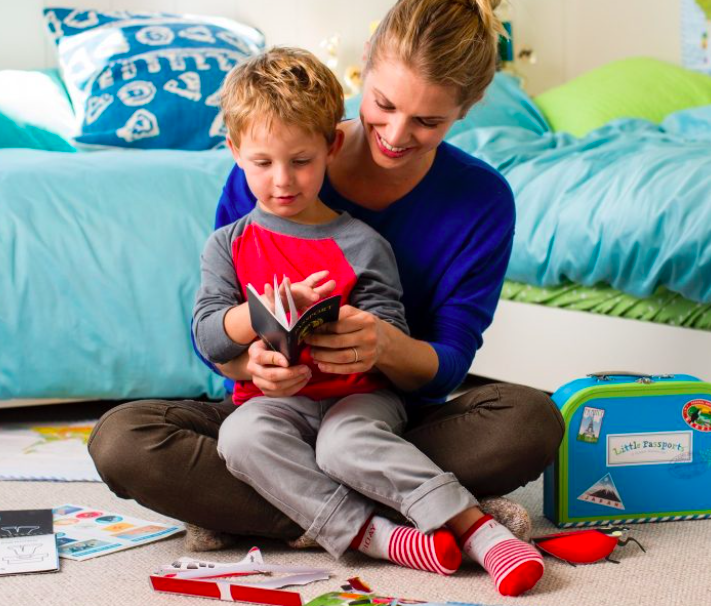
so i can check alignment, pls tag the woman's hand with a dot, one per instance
(272, 374)
(354, 343)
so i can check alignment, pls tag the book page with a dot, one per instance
(279, 312)
(293, 313)
(262, 301)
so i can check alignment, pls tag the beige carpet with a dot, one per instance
(675, 571)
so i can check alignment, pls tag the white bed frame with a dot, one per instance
(546, 347)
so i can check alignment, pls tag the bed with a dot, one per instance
(99, 250)
(611, 261)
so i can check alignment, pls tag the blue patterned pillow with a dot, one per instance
(148, 80)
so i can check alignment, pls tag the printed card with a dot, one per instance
(85, 532)
(27, 542)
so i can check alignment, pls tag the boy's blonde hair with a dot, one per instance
(449, 42)
(286, 84)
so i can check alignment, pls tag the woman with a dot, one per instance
(450, 221)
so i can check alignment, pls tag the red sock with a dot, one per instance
(436, 552)
(514, 565)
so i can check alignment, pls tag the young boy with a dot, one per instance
(282, 109)
(324, 453)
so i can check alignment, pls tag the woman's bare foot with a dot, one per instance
(203, 539)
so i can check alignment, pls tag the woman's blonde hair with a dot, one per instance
(286, 84)
(451, 43)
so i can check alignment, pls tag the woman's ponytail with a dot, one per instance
(451, 43)
(489, 19)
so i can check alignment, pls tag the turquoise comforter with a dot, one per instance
(628, 205)
(99, 258)
(99, 252)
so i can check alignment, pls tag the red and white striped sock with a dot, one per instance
(514, 565)
(436, 552)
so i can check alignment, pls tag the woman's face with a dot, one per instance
(404, 117)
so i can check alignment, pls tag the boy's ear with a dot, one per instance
(336, 146)
(235, 151)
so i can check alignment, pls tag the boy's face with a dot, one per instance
(285, 167)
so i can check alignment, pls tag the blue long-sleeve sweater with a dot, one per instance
(452, 237)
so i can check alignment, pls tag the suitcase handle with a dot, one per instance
(640, 376)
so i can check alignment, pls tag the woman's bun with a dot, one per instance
(480, 4)
(486, 9)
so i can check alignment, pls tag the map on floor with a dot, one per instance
(49, 451)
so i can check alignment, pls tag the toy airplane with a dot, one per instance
(188, 576)
(254, 556)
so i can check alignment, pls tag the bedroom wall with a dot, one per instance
(24, 45)
(568, 37)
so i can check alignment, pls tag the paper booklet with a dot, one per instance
(286, 334)
(27, 542)
(86, 532)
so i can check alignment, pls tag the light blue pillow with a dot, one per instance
(35, 111)
(505, 103)
(148, 80)
(352, 106)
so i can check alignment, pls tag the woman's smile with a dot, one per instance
(389, 150)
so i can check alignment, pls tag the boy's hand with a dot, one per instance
(305, 293)
(272, 374)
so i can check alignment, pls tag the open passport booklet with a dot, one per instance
(283, 333)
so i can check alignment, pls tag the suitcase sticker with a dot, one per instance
(603, 492)
(590, 425)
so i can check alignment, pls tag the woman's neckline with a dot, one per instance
(376, 207)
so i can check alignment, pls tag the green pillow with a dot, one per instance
(630, 88)
(35, 111)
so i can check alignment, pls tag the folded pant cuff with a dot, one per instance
(437, 501)
(339, 521)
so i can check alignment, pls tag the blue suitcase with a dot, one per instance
(637, 448)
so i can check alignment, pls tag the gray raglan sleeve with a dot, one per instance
(378, 289)
(219, 291)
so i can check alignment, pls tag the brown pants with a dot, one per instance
(494, 438)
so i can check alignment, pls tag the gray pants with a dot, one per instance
(323, 464)
(163, 454)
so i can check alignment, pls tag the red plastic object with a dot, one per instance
(579, 546)
(222, 590)
(585, 546)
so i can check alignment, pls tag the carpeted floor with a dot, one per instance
(674, 571)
